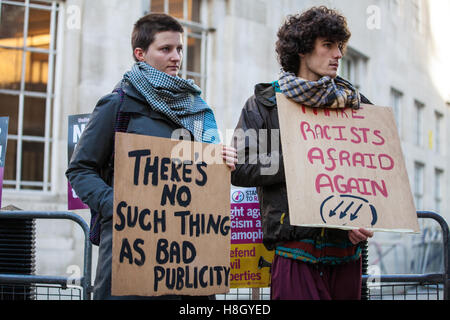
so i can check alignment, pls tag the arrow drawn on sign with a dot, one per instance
(333, 212)
(344, 213)
(353, 215)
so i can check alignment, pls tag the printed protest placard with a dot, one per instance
(77, 123)
(171, 218)
(3, 142)
(249, 259)
(345, 168)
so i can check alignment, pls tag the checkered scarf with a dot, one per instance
(324, 93)
(177, 98)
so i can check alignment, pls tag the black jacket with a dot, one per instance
(90, 172)
(260, 112)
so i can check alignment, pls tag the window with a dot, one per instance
(27, 56)
(189, 13)
(347, 68)
(438, 132)
(353, 67)
(418, 123)
(419, 169)
(438, 174)
(396, 103)
(417, 7)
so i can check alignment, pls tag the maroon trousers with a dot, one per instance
(297, 280)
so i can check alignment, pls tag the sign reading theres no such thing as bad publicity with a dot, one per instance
(171, 218)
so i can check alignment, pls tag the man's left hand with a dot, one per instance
(359, 235)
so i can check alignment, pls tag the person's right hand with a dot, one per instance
(229, 155)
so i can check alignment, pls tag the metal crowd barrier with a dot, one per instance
(434, 286)
(51, 287)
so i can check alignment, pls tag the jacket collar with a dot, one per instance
(265, 94)
(130, 90)
(136, 103)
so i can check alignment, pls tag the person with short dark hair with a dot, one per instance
(156, 102)
(146, 28)
(309, 263)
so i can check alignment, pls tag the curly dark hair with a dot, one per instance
(299, 33)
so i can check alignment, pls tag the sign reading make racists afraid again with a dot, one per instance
(345, 168)
(171, 219)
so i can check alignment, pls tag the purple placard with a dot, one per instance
(245, 217)
(3, 142)
(73, 202)
(1, 184)
(77, 123)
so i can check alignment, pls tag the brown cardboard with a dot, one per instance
(367, 186)
(137, 267)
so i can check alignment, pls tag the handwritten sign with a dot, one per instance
(77, 123)
(3, 142)
(250, 260)
(171, 219)
(345, 168)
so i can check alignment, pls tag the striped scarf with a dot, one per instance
(176, 98)
(320, 251)
(324, 93)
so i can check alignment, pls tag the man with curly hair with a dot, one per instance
(309, 263)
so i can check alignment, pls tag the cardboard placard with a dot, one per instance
(76, 126)
(171, 219)
(250, 260)
(345, 168)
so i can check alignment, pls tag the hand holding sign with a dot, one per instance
(229, 155)
(360, 235)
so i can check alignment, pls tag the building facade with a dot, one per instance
(57, 58)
